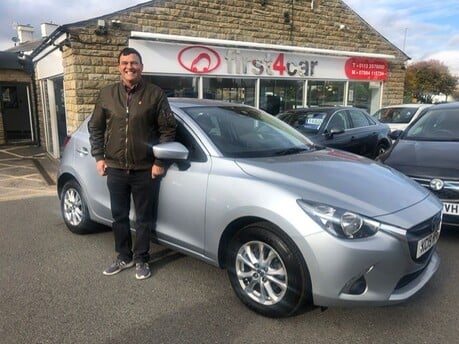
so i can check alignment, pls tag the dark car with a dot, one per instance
(428, 152)
(347, 128)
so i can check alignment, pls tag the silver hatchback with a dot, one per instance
(293, 223)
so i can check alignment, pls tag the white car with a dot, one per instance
(399, 116)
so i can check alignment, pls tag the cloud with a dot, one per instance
(424, 30)
(36, 12)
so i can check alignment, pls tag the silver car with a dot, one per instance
(292, 223)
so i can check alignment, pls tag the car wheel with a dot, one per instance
(74, 209)
(380, 149)
(267, 272)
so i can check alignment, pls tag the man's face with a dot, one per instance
(130, 69)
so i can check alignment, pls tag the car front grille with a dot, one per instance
(408, 278)
(449, 192)
(420, 231)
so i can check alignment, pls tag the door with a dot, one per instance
(182, 197)
(17, 117)
(364, 133)
(344, 139)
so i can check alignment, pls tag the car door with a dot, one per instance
(364, 133)
(341, 140)
(182, 197)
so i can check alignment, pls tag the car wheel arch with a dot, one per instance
(64, 179)
(87, 225)
(384, 144)
(273, 237)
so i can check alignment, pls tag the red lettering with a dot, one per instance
(278, 64)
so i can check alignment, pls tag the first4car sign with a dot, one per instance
(198, 59)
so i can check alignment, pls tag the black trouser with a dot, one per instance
(121, 184)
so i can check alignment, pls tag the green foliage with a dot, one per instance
(425, 79)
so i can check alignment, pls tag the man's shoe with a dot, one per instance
(142, 271)
(118, 266)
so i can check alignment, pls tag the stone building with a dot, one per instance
(272, 54)
(18, 121)
(18, 112)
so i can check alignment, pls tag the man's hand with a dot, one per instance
(157, 171)
(101, 167)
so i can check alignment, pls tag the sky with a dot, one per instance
(423, 29)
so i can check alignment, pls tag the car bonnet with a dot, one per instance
(425, 159)
(339, 179)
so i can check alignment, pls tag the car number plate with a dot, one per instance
(427, 243)
(450, 208)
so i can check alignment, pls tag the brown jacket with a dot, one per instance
(125, 126)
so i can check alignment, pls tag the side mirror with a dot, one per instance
(170, 151)
(394, 135)
(333, 131)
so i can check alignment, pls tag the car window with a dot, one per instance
(395, 115)
(436, 125)
(359, 119)
(183, 136)
(305, 121)
(338, 121)
(239, 131)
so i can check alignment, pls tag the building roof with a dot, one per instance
(15, 61)
(28, 46)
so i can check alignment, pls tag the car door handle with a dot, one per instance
(83, 151)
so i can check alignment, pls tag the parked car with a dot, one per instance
(428, 152)
(345, 128)
(293, 223)
(398, 117)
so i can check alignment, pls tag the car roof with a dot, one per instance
(327, 109)
(410, 105)
(191, 102)
(452, 105)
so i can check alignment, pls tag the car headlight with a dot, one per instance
(340, 222)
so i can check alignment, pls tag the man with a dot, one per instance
(128, 119)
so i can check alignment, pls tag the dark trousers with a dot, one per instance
(121, 185)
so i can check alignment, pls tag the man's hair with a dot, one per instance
(129, 51)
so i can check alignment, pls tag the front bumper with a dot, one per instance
(379, 270)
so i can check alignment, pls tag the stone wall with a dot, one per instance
(90, 61)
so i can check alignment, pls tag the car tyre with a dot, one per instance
(74, 209)
(274, 284)
(381, 148)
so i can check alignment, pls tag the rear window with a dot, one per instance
(305, 121)
(395, 115)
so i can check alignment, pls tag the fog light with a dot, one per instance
(355, 286)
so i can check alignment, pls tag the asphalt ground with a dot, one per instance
(26, 171)
(52, 289)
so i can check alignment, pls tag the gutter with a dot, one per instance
(252, 45)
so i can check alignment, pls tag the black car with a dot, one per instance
(347, 128)
(428, 152)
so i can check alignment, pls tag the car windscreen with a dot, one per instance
(307, 122)
(395, 115)
(241, 132)
(435, 125)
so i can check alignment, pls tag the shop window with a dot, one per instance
(280, 95)
(359, 95)
(231, 90)
(175, 86)
(325, 93)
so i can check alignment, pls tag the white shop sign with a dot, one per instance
(200, 59)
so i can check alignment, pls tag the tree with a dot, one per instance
(425, 79)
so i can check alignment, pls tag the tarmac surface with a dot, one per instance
(26, 171)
